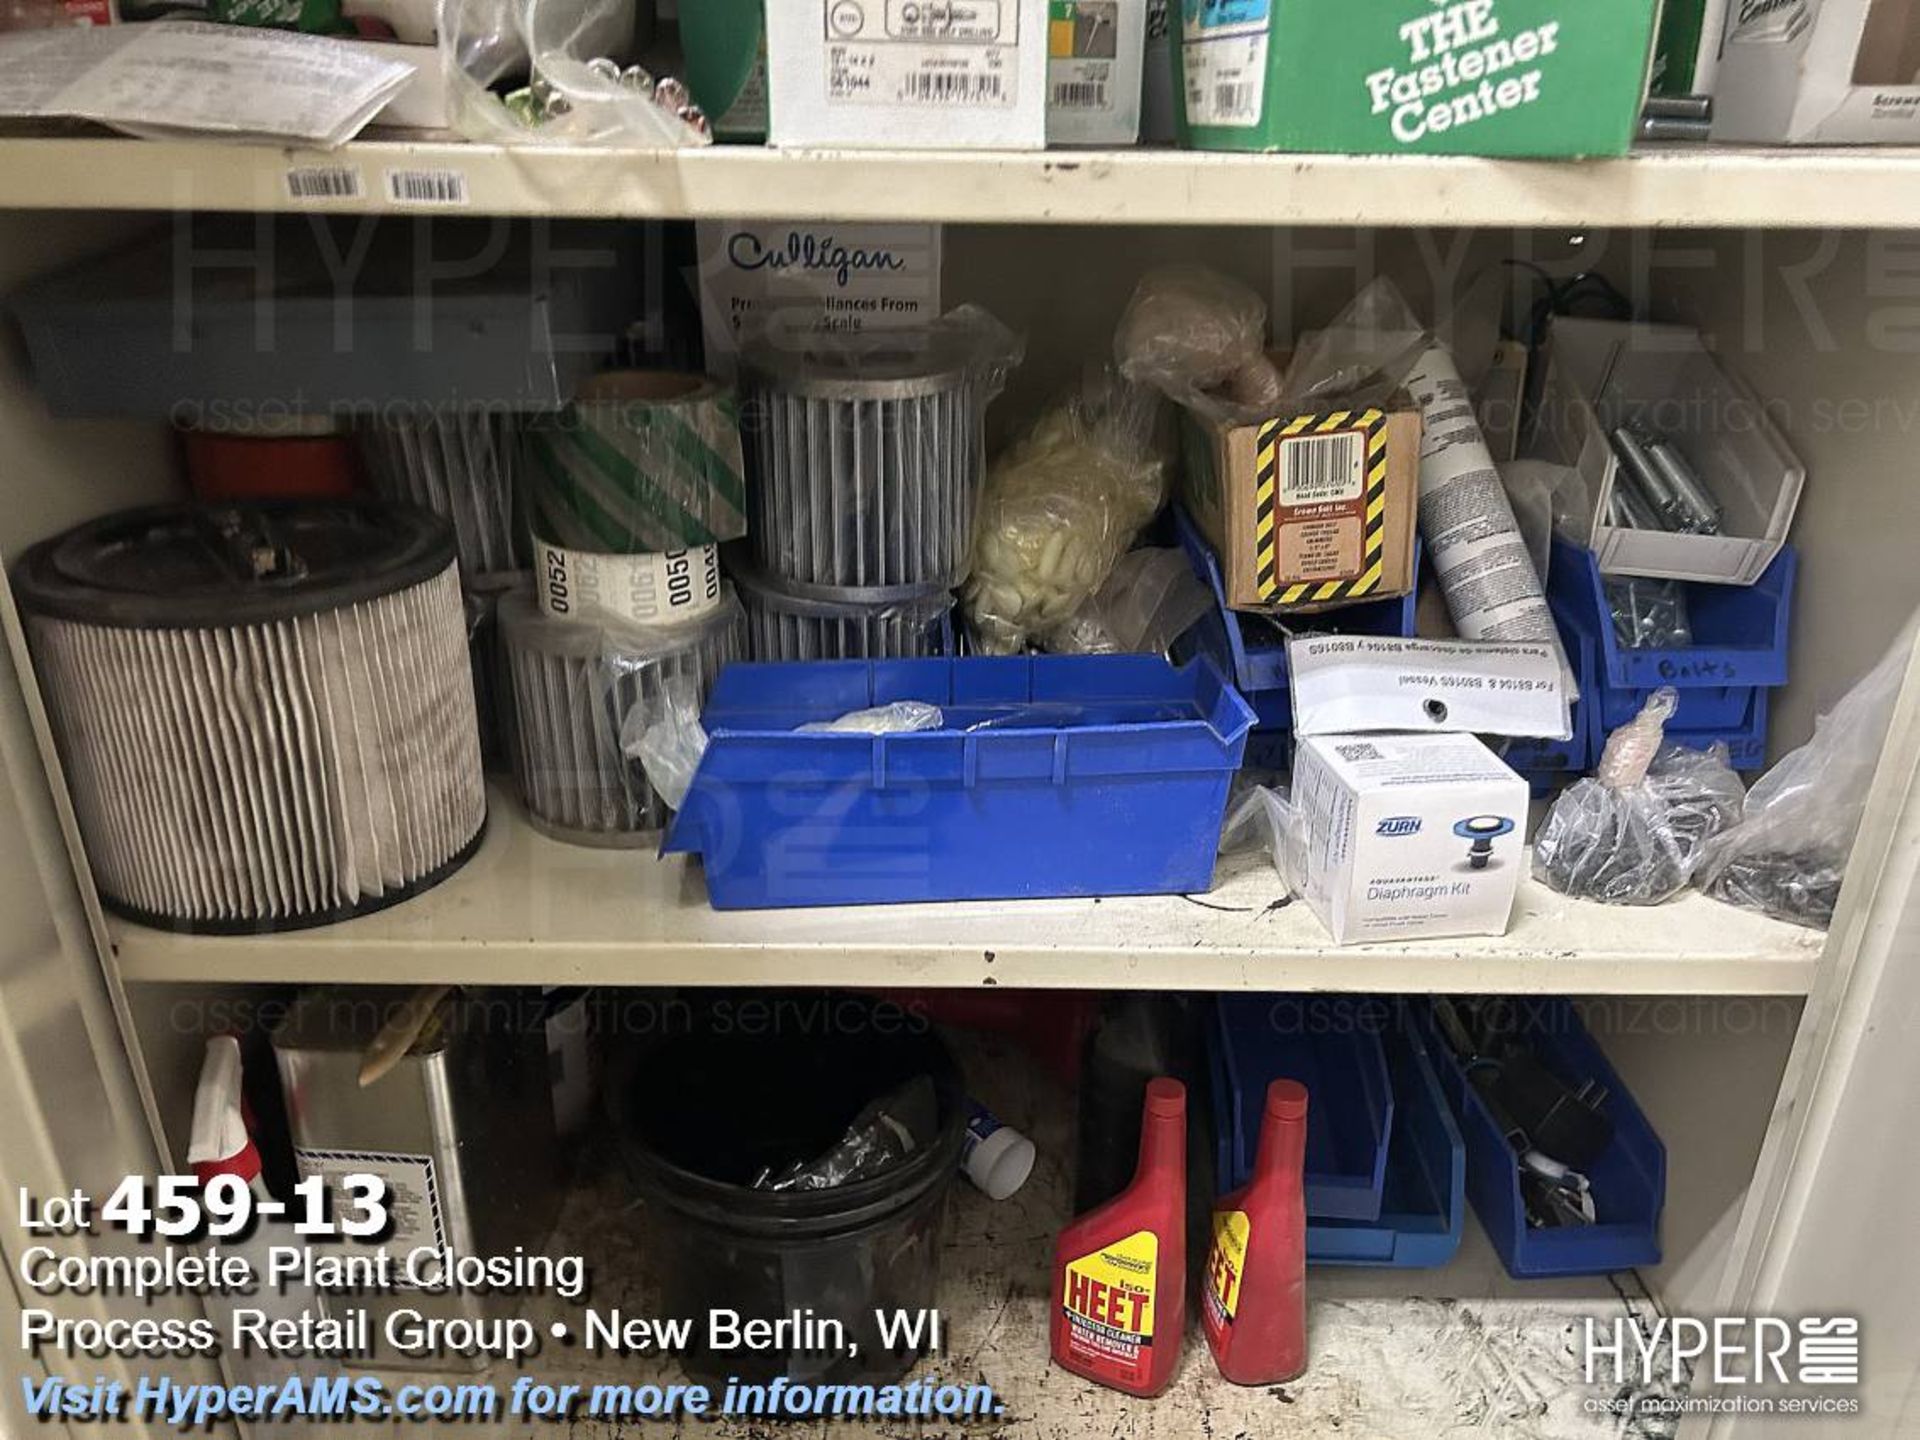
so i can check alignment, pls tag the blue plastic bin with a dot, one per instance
(1629, 1182)
(1423, 1205)
(1332, 1044)
(1739, 650)
(1546, 763)
(1253, 655)
(1054, 775)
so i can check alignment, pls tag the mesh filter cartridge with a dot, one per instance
(265, 712)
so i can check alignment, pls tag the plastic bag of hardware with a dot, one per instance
(565, 67)
(1150, 600)
(1788, 855)
(1061, 507)
(1634, 833)
(885, 1133)
(902, 717)
(866, 454)
(1199, 337)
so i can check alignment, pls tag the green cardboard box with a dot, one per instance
(1389, 77)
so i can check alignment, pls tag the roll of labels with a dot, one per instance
(632, 487)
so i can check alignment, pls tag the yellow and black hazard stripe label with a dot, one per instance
(1269, 447)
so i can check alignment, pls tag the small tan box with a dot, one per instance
(1308, 511)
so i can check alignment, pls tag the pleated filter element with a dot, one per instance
(265, 713)
(459, 463)
(579, 690)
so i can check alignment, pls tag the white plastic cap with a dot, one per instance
(1000, 1164)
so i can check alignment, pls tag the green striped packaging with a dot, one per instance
(640, 461)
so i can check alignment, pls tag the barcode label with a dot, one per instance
(1236, 100)
(427, 187)
(1359, 750)
(1080, 95)
(323, 182)
(1321, 469)
(952, 87)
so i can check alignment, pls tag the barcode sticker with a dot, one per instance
(1080, 95)
(427, 187)
(1323, 469)
(1358, 751)
(953, 87)
(1226, 79)
(323, 182)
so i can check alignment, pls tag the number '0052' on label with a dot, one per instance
(667, 587)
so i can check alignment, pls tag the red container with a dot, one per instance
(1120, 1271)
(222, 467)
(1253, 1294)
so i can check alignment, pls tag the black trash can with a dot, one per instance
(752, 1085)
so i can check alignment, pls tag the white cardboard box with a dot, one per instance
(1605, 373)
(1096, 57)
(1408, 835)
(1828, 72)
(908, 74)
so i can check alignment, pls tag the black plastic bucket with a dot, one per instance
(757, 1083)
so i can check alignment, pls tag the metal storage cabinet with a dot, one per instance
(1780, 1068)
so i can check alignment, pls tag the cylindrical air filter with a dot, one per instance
(265, 711)
(578, 689)
(786, 623)
(864, 469)
(456, 462)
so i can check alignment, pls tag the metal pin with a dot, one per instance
(1704, 512)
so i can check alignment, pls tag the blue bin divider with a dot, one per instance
(1258, 667)
(1332, 1044)
(1053, 775)
(1629, 1182)
(1423, 1203)
(1739, 650)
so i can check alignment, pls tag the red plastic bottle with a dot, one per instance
(1120, 1272)
(1253, 1297)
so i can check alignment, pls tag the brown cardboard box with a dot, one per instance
(1307, 511)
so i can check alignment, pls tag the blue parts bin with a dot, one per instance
(1423, 1195)
(1544, 763)
(1629, 1180)
(1332, 1045)
(1739, 653)
(1053, 775)
(1258, 667)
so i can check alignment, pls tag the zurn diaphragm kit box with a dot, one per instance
(1407, 836)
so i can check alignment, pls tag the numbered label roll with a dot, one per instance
(667, 587)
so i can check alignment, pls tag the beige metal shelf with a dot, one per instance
(1695, 186)
(527, 909)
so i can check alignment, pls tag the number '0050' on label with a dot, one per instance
(667, 587)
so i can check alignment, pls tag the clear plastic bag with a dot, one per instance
(572, 55)
(902, 717)
(1199, 337)
(1634, 833)
(1788, 856)
(882, 1135)
(1265, 817)
(1149, 601)
(1061, 507)
(665, 735)
(866, 455)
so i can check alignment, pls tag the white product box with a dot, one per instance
(1606, 373)
(1825, 72)
(908, 74)
(1096, 54)
(1408, 836)
(812, 279)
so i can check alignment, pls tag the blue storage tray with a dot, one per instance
(1740, 643)
(1423, 1204)
(1332, 1045)
(1055, 775)
(1258, 666)
(1744, 733)
(1629, 1182)
(1545, 762)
